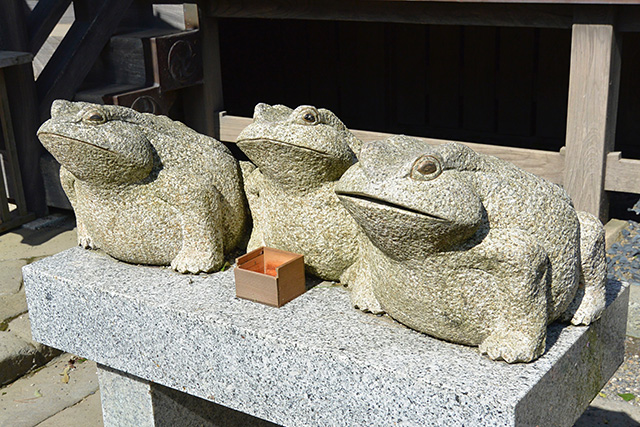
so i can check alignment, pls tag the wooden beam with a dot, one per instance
(9, 58)
(42, 19)
(547, 164)
(410, 12)
(592, 109)
(77, 52)
(622, 175)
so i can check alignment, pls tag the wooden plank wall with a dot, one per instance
(504, 86)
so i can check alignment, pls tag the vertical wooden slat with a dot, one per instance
(628, 125)
(444, 76)
(323, 68)
(363, 73)
(552, 89)
(515, 81)
(408, 71)
(212, 79)
(10, 146)
(479, 79)
(7, 133)
(21, 91)
(591, 117)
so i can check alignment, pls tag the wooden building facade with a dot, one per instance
(550, 85)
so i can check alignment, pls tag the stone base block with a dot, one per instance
(314, 361)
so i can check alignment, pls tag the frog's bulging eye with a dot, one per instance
(426, 168)
(95, 117)
(310, 117)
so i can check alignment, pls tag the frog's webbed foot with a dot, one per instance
(589, 302)
(191, 260)
(586, 307)
(514, 345)
(358, 279)
(84, 239)
(86, 242)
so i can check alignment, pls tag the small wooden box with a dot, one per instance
(270, 276)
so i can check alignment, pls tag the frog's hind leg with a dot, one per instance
(589, 301)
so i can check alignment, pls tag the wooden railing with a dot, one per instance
(620, 174)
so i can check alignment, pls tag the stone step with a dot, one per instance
(44, 397)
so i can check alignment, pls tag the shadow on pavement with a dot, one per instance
(595, 417)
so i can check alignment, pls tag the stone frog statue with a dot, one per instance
(300, 154)
(147, 189)
(470, 249)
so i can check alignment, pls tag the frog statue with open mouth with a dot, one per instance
(469, 248)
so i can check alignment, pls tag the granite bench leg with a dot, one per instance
(131, 401)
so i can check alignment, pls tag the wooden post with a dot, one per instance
(592, 109)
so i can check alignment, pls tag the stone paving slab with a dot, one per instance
(33, 241)
(16, 357)
(87, 412)
(35, 398)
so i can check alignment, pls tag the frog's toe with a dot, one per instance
(362, 298)
(586, 307)
(586, 314)
(512, 346)
(86, 242)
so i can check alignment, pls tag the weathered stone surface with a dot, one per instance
(314, 361)
(21, 327)
(33, 399)
(12, 305)
(16, 357)
(11, 276)
(87, 412)
(146, 189)
(469, 248)
(128, 400)
(30, 245)
(633, 324)
(299, 155)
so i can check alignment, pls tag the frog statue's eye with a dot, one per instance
(426, 168)
(310, 117)
(94, 117)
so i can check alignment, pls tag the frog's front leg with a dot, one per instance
(589, 302)
(521, 269)
(199, 205)
(358, 278)
(253, 180)
(68, 182)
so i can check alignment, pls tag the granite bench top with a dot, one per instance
(314, 361)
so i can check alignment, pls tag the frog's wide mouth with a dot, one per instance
(385, 203)
(249, 141)
(51, 135)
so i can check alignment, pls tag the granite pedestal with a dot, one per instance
(175, 347)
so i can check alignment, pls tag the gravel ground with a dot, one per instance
(624, 264)
(623, 258)
(626, 380)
